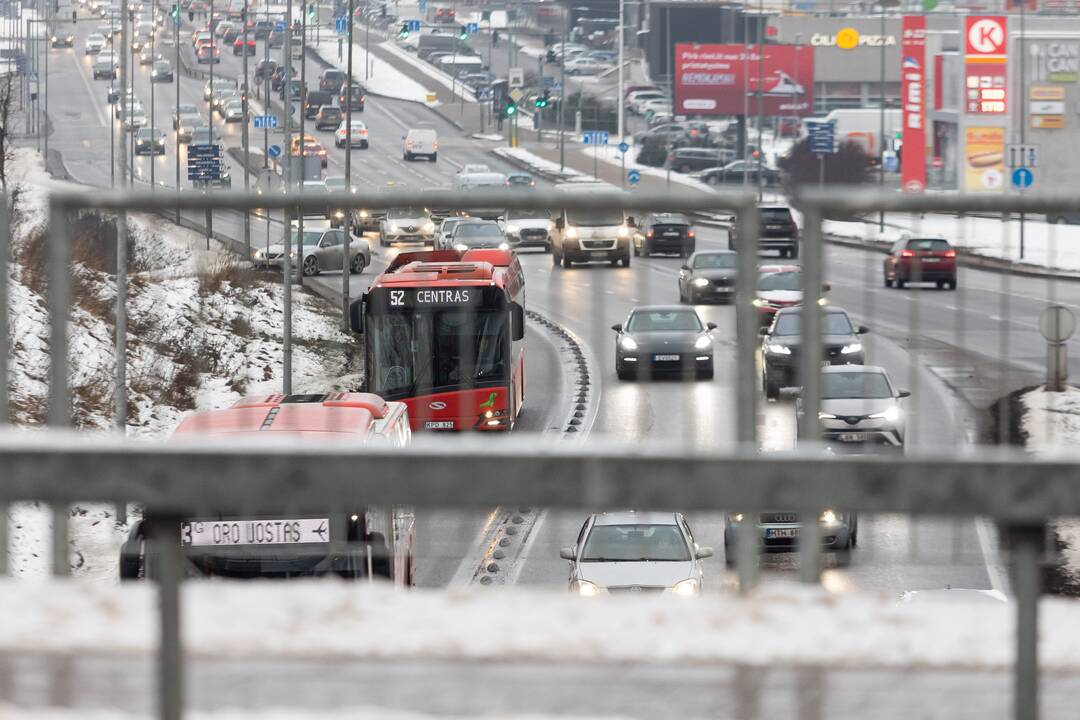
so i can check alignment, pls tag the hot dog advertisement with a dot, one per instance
(984, 159)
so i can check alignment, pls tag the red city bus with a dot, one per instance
(444, 332)
(353, 543)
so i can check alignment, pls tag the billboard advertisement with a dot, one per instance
(984, 159)
(985, 55)
(913, 106)
(724, 79)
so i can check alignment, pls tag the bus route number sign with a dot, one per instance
(419, 298)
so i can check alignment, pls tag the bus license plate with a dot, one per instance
(665, 358)
(439, 425)
(781, 533)
(219, 533)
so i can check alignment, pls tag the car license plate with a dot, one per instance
(598, 252)
(853, 437)
(665, 358)
(826, 363)
(781, 533)
(439, 425)
(219, 533)
(930, 260)
(671, 234)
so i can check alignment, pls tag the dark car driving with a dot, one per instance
(331, 80)
(664, 233)
(328, 118)
(469, 234)
(315, 101)
(778, 231)
(931, 260)
(780, 344)
(663, 339)
(689, 159)
(708, 276)
(738, 172)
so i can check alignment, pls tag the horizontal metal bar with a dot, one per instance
(380, 200)
(57, 466)
(856, 199)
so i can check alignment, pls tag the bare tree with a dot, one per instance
(7, 122)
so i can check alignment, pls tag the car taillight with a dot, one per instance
(950, 253)
(649, 234)
(689, 233)
(408, 143)
(435, 145)
(907, 253)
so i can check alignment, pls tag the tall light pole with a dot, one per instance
(176, 82)
(244, 134)
(303, 143)
(286, 267)
(153, 118)
(562, 92)
(126, 102)
(882, 4)
(619, 98)
(348, 176)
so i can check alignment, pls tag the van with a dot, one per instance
(482, 180)
(420, 141)
(593, 234)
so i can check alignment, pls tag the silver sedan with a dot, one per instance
(650, 553)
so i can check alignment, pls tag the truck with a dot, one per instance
(861, 126)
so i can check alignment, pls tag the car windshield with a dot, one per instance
(335, 184)
(840, 385)
(595, 217)
(161, 66)
(311, 237)
(928, 245)
(448, 225)
(630, 543)
(775, 215)
(709, 261)
(519, 180)
(772, 282)
(405, 213)
(834, 323)
(478, 231)
(664, 321)
(512, 215)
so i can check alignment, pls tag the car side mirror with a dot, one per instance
(559, 223)
(630, 222)
(711, 326)
(517, 321)
(903, 394)
(617, 327)
(685, 267)
(356, 317)
(862, 330)
(763, 331)
(703, 552)
(567, 553)
(826, 287)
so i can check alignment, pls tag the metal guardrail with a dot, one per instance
(173, 482)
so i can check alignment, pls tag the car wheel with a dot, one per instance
(793, 252)
(357, 265)
(888, 282)
(682, 295)
(940, 284)
(406, 157)
(622, 373)
(637, 250)
(772, 390)
(952, 284)
(566, 262)
(843, 556)
(435, 157)
(684, 169)
(626, 260)
(899, 282)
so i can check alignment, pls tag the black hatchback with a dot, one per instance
(329, 118)
(689, 159)
(664, 233)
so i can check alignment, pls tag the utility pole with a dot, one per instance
(47, 45)
(347, 250)
(303, 146)
(619, 97)
(153, 118)
(125, 102)
(562, 91)
(176, 82)
(245, 139)
(881, 137)
(1023, 106)
(760, 99)
(286, 331)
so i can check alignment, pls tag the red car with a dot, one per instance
(238, 46)
(207, 54)
(445, 15)
(921, 260)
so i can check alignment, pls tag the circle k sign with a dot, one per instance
(986, 35)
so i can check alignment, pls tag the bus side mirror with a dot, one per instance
(559, 223)
(517, 321)
(356, 317)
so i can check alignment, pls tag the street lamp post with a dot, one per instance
(176, 82)
(348, 174)
(153, 117)
(619, 97)
(126, 102)
(245, 139)
(882, 4)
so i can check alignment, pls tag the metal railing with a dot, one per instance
(1019, 492)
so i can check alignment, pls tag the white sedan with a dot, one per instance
(359, 134)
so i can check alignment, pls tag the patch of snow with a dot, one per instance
(438, 76)
(544, 167)
(781, 623)
(384, 78)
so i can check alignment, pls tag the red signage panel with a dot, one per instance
(913, 96)
(724, 79)
(984, 35)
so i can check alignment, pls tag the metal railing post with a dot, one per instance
(810, 379)
(120, 382)
(747, 540)
(170, 665)
(1027, 548)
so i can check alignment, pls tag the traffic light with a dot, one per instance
(313, 9)
(403, 33)
(463, 33)
(542, 101)
(510, 108)
(175, 13)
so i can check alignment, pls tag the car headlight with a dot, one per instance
(830, 517)
(429, 227)
(703, 343)
(571, 232)
(584, 588)
(292, 255)
(628, 343)
(686, 588)
(624, 231)
(825, 416)
(891, 414)
(339, 215)
(758, 302)
(776, 349)
(393, 227)
(852, 348)
(461, 247)
(699, 282)
(513, 229)
(504, 246)
(822, 301)
(735, 517)
(364, 213)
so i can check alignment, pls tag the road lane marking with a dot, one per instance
(90, 91)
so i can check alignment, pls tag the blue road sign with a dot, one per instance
(263, 122)
(280, 26)
(1022, 178)
(414, 26)
(341, 24)
(472, 28)
(633, 177)
(595, 137)
(822, 136)
(623, 147)
(557, 86)
(422, 6)
(274, 151)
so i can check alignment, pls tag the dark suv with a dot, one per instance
(780, 343)
(331, 80)
(315, 100)
(664, 233)
(689, 159)
(778, 231)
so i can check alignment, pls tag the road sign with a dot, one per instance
(279, 26)
(472, 28)
(822, 137)
(557, 87)
(1022, 178)
(595, 137)
(422, 6)
(633, 177)
(1057, 323)
(414, 26)
(264, 122)
(516, 94)
(1023, 156)
(516, 77)
(341, 24)
(623, 147)
(274, 151)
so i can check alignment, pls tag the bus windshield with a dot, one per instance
(416, 352)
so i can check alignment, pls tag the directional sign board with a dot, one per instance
(595, 137)
(341, 24)
(279, 26)
(422, 6)
(1022, 178)
(633, 177)
(623, 147)
(472, 28)
(274, 151)
(204, 162)
(1023, 156)
(822, 136)
(265, 122)
(414, 26)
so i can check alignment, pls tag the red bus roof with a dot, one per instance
(334, 414)
(437, 267)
